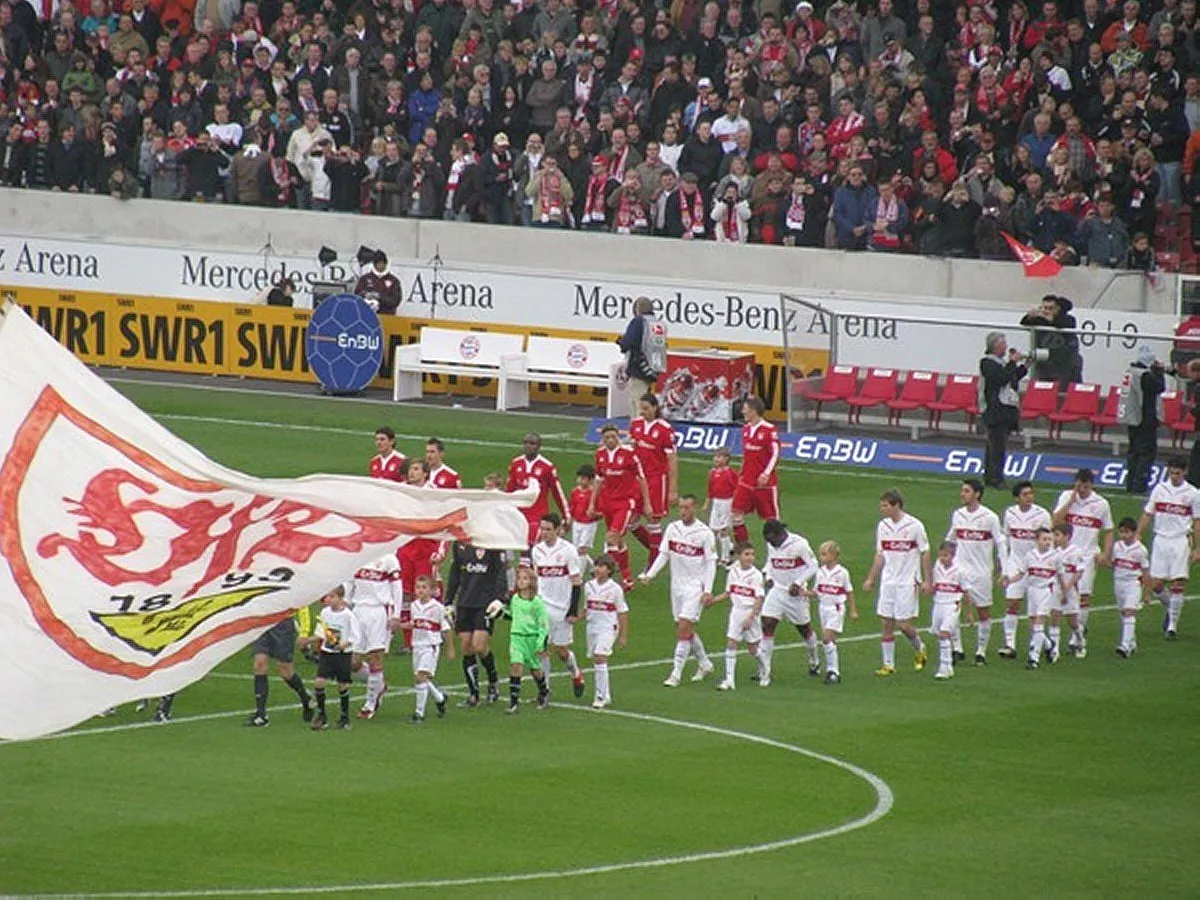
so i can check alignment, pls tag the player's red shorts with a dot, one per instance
(617, 512)
(535, 526)
(658, 495)
(416, 559)
(764, 502)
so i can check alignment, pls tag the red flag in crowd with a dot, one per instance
(1037, 264)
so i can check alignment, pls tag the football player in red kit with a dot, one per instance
(420, 556)
(440, 474)
(533, 468)
(619, 493)
(758, 487)
(388, 462)
(653, 441)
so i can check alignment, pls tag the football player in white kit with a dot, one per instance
(1021, 523)
(1131, 581)
(901, 564)
(976, 531)
(607, 623)
(1071, 564)
(559, 578)
(376, 594)
(835, 596)
(430, 623)
(950, 587)
(790, 566)
(1174, 506)
(1041, 570)
(1091, 518)
(691, 548)
(744, 591)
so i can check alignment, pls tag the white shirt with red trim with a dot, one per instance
(1130, 561)
(947, 582)
(429, 621)
(1174, 508)
(901, 544)
(376, 584)
(792, 562)
(1088, 517)
(1021, 527)
(691, 551)
(555, 565)
(604, 603)
(976, 533)
(745, 586)
(832, 584)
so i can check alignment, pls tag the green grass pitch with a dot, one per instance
(1081, 779)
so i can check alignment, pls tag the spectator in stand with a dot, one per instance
(1103, 238)
(851, 202)
(886, 219)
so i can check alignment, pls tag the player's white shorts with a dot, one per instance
(600, 641)
(1038, 601)
(1087, 578)
(734, 630)
(783, 606)
(944, 618)
(373, 625)
(425, 659)
(720, 515)
(685, 601)
(583, 534)
(979, 587)
(1015, 589)
(562, 632)
(1169, 558)
(1067, 605)
(833, 617)
(1128, 595)
(897, 601)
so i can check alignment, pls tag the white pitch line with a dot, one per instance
(885, 799)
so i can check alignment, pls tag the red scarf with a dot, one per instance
(796, 213)
(730, 223)
(593, 206)
(282, 177)
(631, 213)
(616, 164)
(693, 219)
(551, 197)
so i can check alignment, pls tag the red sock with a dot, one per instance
(622, 558)
(740, 533)
(642, 533)
(655, 544)
(406, 616)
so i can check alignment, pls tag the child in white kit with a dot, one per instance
(744, 589)
(835, 595)
(948, 592)
(429, 622)
(1131, 567)
(1073, 563)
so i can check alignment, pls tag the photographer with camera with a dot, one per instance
(1145, 382)
(1061, 360)
(1001, 371)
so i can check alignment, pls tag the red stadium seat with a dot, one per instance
(1108, 417)
(879, 387)
(1040, 400)
(961, 394)
(1174, 417)
(840, 384)
(1180, 429)
(920, 389)
(1081, 403)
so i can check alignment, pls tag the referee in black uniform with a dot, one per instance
(477, 577)
(278, 643)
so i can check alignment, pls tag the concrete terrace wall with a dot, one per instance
(218, 227)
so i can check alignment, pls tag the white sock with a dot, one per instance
(945, 654)
(422, 696)
(572, 664)
(436, 692)
(985, 636)
(1128, 631)
(600, 676)
(699, 652)
(1077, 637)
(374, 688)
(765, 648)
(811, 643)
(889, 653)
(1036, 639)
(360, 674)
(1083, 615)
(730, 663)
(831, 657)
(1174, 608)
(682, 649)
(763, 671)
(726, 544)
(1010, 630)
(546, 664)
(955, 638)
(1055, 635)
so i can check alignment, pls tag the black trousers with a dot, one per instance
(994, 453)
(1143, 447)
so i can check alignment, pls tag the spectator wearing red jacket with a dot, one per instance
(1137, 30)
(931, 150)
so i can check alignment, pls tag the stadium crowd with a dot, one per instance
(883, 125)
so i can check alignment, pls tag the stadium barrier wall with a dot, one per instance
(218, 227)
(904, 456)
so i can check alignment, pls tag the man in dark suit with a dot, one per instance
(1001, 371)
(666, 211)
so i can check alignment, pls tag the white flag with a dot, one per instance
(131, 564)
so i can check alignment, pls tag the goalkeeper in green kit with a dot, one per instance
(527, 639)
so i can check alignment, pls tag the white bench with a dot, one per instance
(445, 351)
(596, 364)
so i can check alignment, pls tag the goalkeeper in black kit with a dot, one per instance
(477, 577)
